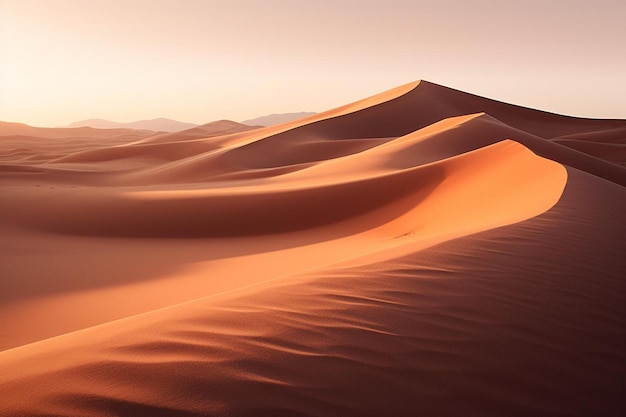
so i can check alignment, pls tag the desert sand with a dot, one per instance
(424, 251)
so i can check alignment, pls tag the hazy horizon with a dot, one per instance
(198, 61)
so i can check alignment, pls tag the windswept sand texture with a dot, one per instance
(421, 252)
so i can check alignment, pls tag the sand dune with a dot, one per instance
(420, 252)
(20, 129)
(217, 128)
(157, 125)
(275, 119)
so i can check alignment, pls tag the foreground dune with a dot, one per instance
(421, 252)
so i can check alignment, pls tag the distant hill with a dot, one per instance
(276, 119)
(157, 125)
(216, 128)
(24, 130)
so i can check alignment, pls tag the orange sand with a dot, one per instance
(421, 252)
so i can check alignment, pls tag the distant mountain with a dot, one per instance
(276, 119)
(157, 125)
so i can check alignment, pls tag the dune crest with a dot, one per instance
(422, 251)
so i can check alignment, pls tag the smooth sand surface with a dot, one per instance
(420, 252)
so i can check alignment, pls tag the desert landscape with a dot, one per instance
(424, 251)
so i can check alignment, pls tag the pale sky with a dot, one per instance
(197, 61)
